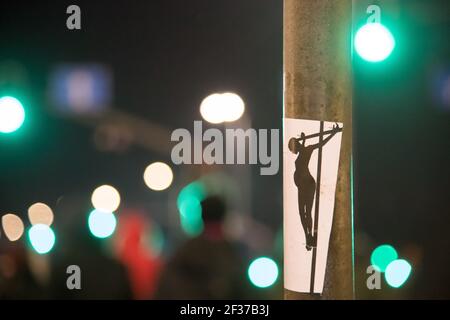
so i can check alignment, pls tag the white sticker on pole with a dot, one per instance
(311, 159)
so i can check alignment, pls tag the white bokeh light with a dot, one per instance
(158, 176)
(222, 107)
(106, 198)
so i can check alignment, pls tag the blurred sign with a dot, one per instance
(81, 89)
(311, 158)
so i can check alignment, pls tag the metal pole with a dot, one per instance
(317, 86)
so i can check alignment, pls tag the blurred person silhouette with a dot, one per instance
(207, 266)
(136, 253)
(102, 276)
(16, 278)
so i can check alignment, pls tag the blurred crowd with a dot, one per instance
(207, 266)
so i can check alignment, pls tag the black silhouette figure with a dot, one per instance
(305, 182)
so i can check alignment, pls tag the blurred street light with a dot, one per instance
(40, 213)
(106, 198)
(158, 176)
(12, 226)
(222, 107)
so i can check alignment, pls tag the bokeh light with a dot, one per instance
(42, 238)
(158, 176)
(440, 87)
(80, 88)
(102, 224)
(188, 203)
(40, 213)
(191, 217)
(397, 272)
(222, 107)
(263, 272)
(382, 256)
(106, 198)
(374, 42)
(12, 114)
(12, 226)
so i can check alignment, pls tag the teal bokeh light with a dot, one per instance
(42, 238)
(263, 272)
(102, 224)
(188, 203)
(397, 272)
(382, 256)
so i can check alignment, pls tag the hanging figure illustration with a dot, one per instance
(305, 182)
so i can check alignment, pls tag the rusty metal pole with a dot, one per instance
(317, 86)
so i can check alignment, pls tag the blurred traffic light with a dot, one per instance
(382, 256)
(396, 271)
(12, 114)
(374, 42)
(189, 205)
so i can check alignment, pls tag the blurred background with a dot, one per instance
(86, 177)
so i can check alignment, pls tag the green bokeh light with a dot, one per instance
(374, 42)
(12, 114)
(382, 256)
(188, 203)
(397, 272)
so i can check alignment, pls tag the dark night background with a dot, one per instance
(166, 56)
